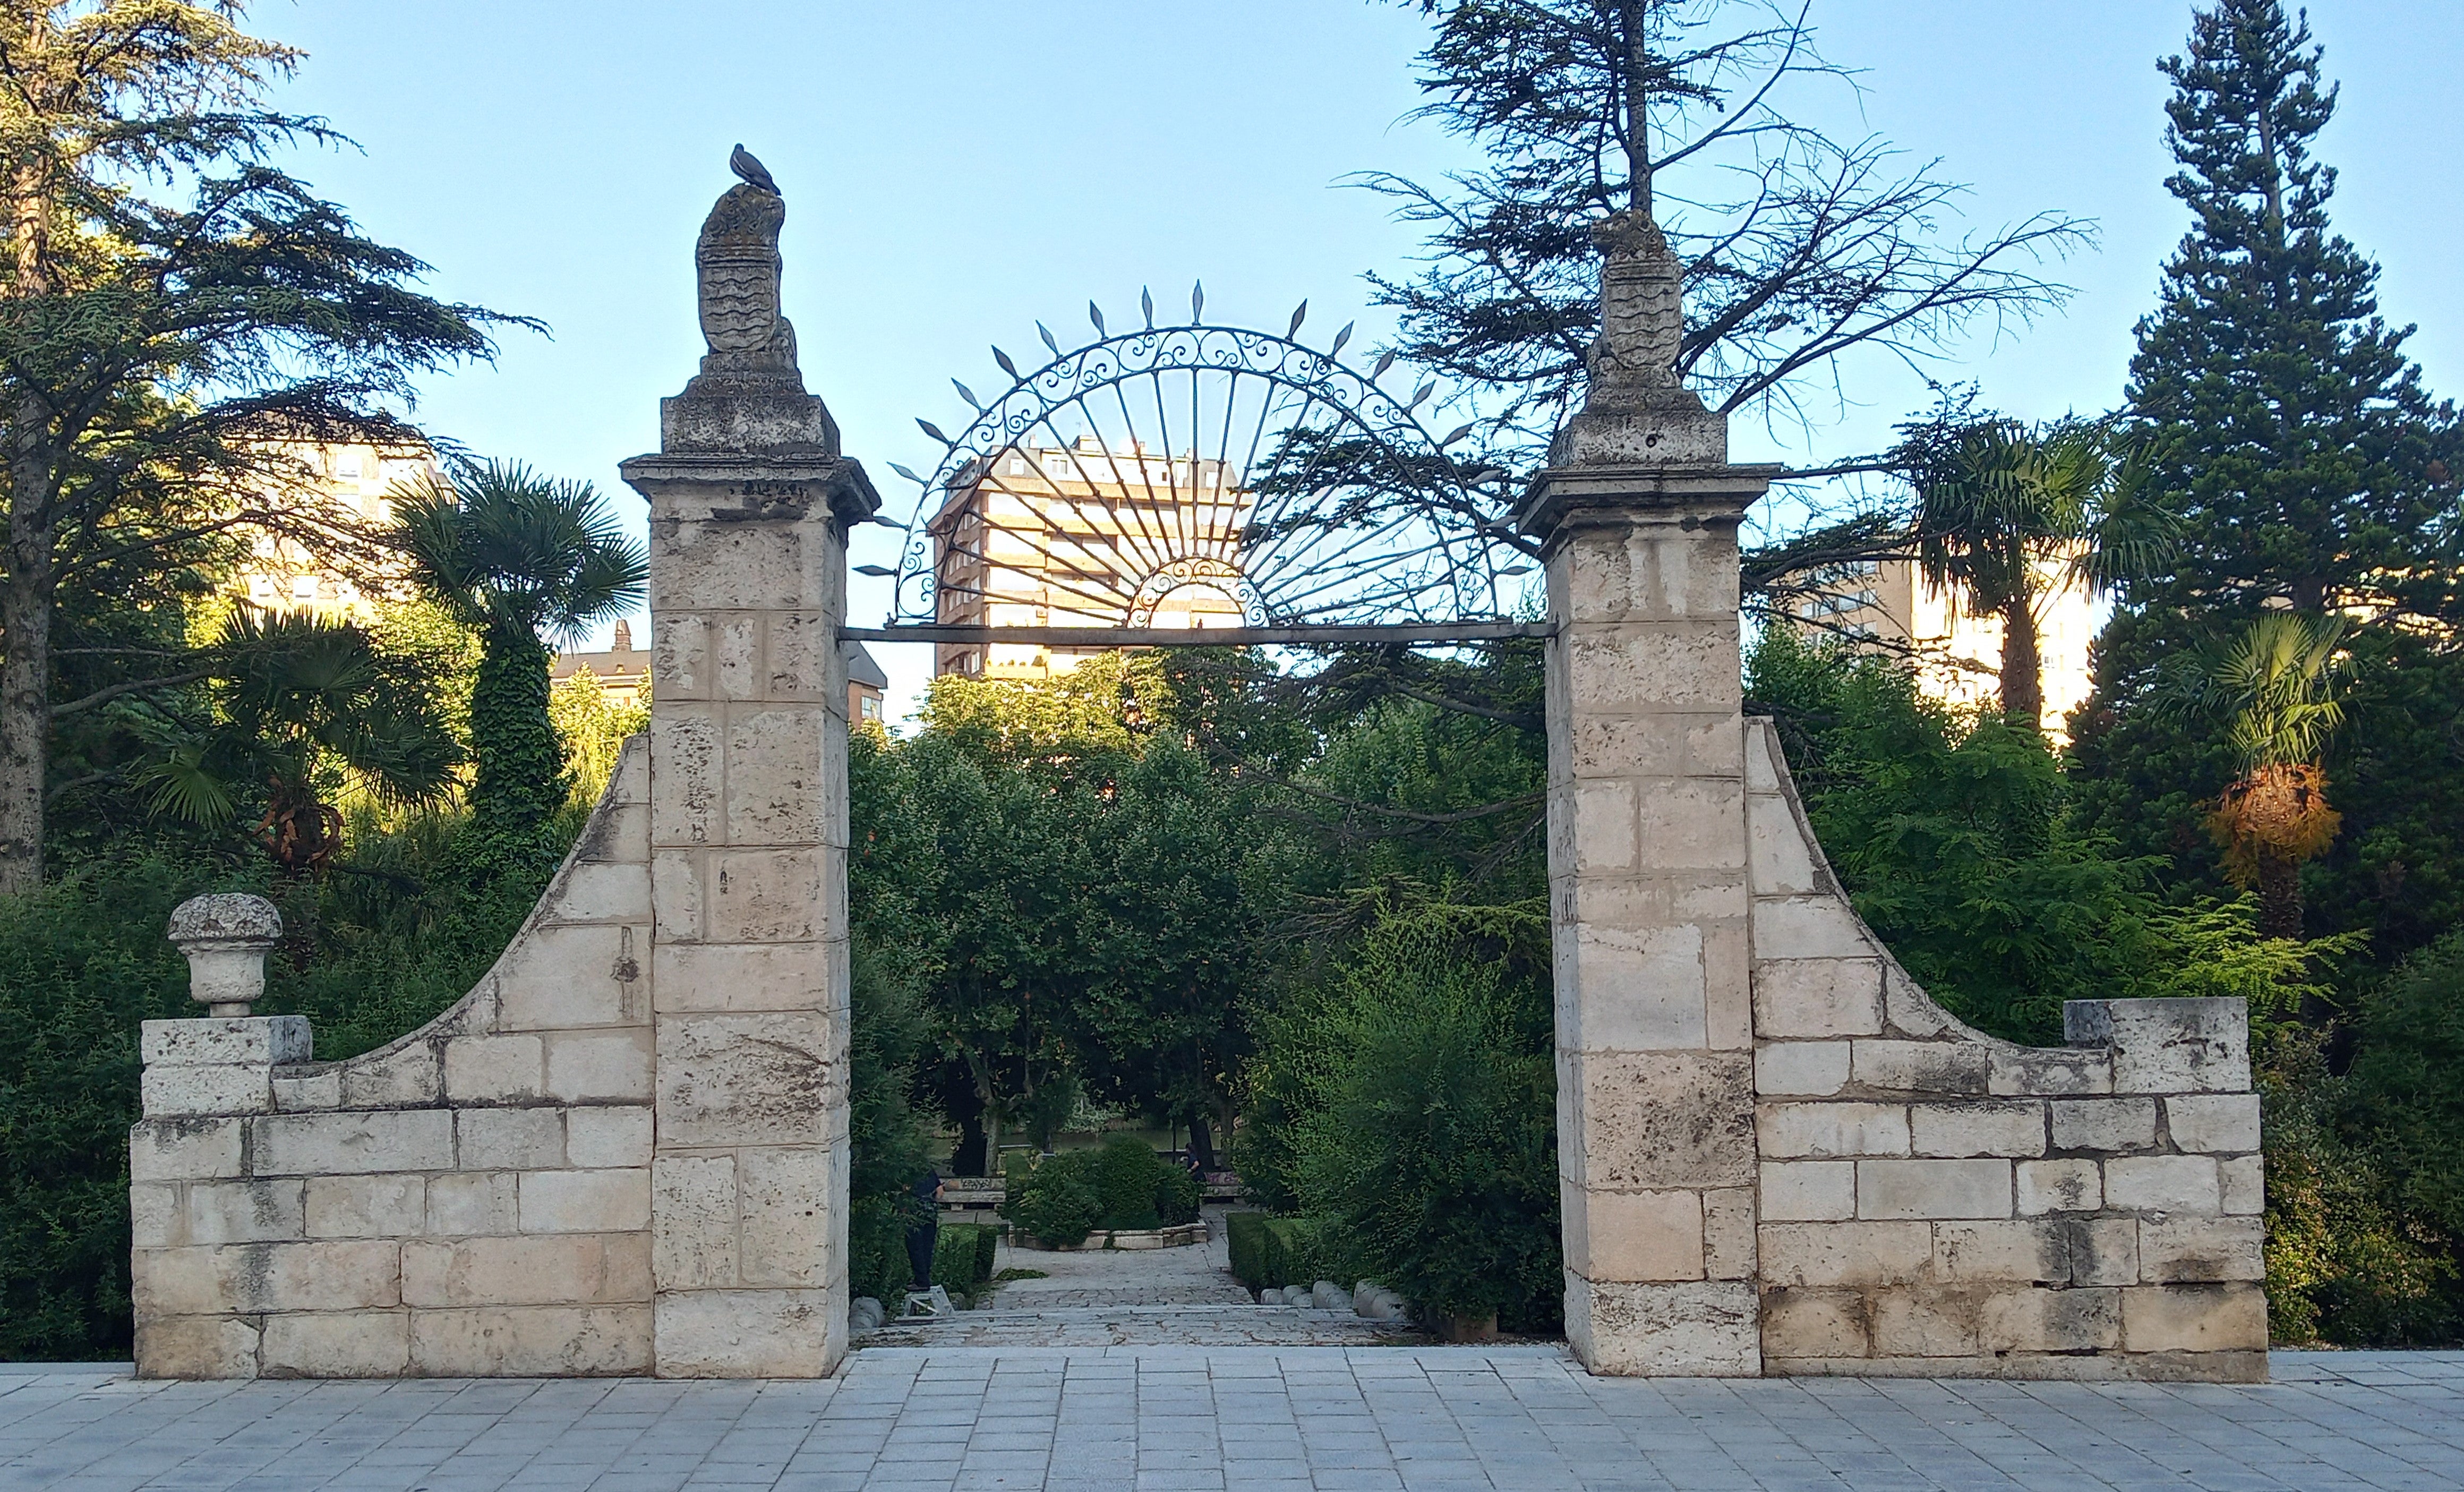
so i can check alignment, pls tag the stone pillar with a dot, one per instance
(1638, 512)
(750, 506)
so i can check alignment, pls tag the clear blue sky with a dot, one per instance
(956, 172)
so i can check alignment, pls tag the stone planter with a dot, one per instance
(1175, 1238)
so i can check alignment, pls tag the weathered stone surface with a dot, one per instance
(1837, 1254)
(1825, 1130)
(600, 1067)
(532, 1341)
(748, 1079)
(2162, 1184)
(473, 1204)
(408, 1076)
(2060, 1186)
(563, 977)
(195, 1346)
(1657, 1120)
(602, 1135)
(2104, 1251)
(266, 1277)
(1927, 1067)
(337, 1344)
(259, 1040)
(2244, 1183)
(2166, 1046)
(183, 1149)
(751, 1333)
(343, 1144)
(1809, 1191)
(298, 1090)
(364, 1207)
(493, 1069)
(742, 976)
(2182, 1249)
(1638, 1235)
(2214, 1123)
(2051, 1320)
(1891, 1189)
(1928, 1322)
(1976, 1252)
(1977, 1127)
(509, 1138)
(1800, 1068)
(2108, 1125)
(1706, 1329)
(693, 1221)
(576, 1269)
(1815, 1323)
(177, 1092)
(1729, 1222)
(791, 1237)
(588, 1201)
(2194, 1318)
(2048, 1071)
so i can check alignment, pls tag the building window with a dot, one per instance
(871, 708)
(348, 465)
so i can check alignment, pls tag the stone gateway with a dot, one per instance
(625, 1151)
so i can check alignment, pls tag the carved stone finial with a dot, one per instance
(737, 259)
(1642, 317)
(226, 937)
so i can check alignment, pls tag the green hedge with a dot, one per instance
(1246, 1234)
(962, 1255)
(1270, 1253)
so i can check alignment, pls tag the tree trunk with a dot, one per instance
(2280, 895)
(25, 689)
(1202, 1143)
(968, 1159)
(2023, 682)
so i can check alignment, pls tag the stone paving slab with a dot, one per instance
(1311, 1419)
(1143, 1324)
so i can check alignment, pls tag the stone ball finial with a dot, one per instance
(225, 936)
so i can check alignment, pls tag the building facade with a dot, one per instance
(1081, 535)
(1889, 607)
(355, 482)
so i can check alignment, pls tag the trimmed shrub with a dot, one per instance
(1128, 1176)
(1053, 1199)
(1299, 1251)
(1176, 1196)
(1246, 1233)
(962, 1256)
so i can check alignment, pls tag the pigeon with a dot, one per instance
(755, 174)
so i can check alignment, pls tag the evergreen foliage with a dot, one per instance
(520, 559)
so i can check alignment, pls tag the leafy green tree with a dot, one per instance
(2286, 425)
(2013, 514)
(521, 559)
(157, 346)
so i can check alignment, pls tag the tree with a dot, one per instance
(2286, 425)
(2013, 514)
(1798, 247)
(2275, 686)
(303, 704)
(2310, 469)
(174, 306)
(517, 555)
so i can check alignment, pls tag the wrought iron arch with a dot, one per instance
(1208, 483)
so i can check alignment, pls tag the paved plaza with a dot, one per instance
(1164, 1418)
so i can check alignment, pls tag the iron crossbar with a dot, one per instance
(1322, 635)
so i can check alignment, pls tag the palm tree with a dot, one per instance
(306, 706)
(2011, 514)
(524, 560)
(2274, 685)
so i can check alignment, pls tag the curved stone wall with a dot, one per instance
(1934, 1201)
(473, 1198)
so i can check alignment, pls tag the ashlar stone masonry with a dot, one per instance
(625, 1150)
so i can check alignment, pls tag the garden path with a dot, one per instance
(1183, 1297)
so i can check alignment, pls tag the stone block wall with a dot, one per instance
(473, 1199)
(1937, 1202)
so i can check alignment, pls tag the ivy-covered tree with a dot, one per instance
(520, 559)
(172, 309)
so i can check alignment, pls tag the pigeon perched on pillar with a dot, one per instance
(753, 173)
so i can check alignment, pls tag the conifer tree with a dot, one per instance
(2292, 434)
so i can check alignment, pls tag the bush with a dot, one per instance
(1053, 1199)
(1423, 1109)
(962, 1256)
(1245, 1238)
(886, 1145)
(1125, 1184)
